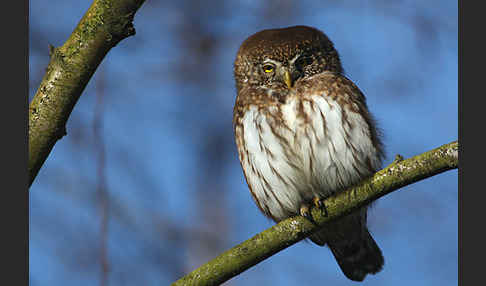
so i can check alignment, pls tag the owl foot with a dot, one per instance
(319, 203)
(305, 212)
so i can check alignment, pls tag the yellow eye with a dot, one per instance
(268, 68)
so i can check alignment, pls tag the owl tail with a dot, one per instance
(357, 255)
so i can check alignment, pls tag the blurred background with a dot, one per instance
(147, 185)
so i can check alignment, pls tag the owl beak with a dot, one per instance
(288, 79)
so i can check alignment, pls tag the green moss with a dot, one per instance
(399, 173)
(70, 68)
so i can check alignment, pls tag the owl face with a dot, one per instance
(276, 74)
(276, 59)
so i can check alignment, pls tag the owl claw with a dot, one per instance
(305, 212)
(319, 203)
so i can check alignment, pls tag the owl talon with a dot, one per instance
(319, 203)
(305, 212)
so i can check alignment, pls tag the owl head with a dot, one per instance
(277, 58)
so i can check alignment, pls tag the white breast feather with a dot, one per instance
(333, 165)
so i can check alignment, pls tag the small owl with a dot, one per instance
(304, 133)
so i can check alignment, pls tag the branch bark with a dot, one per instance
(290, 231)
(102, 27)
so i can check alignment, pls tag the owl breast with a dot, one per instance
(302, 148)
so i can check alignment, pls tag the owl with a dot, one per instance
(303, 133)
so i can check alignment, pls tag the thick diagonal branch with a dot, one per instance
(263, 245)
(104, 25)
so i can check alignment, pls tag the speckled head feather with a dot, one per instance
(282, 45)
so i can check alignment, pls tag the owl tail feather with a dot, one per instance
(357, 257)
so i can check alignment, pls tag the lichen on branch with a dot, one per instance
(290, 231)
(71, 66)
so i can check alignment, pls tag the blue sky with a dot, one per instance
(177, 196)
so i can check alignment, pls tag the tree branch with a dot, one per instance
(104, 25)
(263, 245)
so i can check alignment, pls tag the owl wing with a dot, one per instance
(344, 92)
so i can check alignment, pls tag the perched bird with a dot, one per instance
(304, 133)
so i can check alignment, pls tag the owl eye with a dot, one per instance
(268, 68)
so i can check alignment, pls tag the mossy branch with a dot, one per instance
(284, 234)
(71, 66)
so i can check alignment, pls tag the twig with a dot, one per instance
(102, 186)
